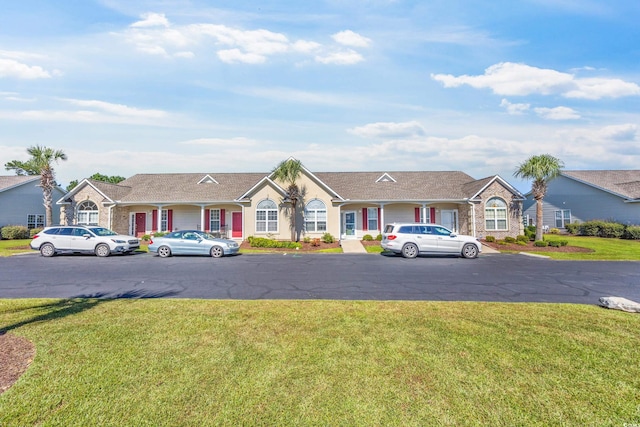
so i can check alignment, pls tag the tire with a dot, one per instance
(47, 250)
(216, 252)
(470, 251)
(102, 250)
(410, 250)
(164, 251)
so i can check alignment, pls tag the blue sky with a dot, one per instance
(127, 87)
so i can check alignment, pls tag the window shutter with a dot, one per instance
(154, 220)
(207, 220)
(365, 222)
(417, 214)
(170, 220)
(379, 216)
(432, 214)
(222, 221)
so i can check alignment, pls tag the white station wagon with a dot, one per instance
(429, 239)
(82, 239)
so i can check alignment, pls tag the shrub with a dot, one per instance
(159, 233)
(554, 243)
(510, 239)
(632, 232)
(379, 237)
(501, 242)
(522, 243)
(564, 242)
(554, 231)
(531, 234)
(34, 231)
(307, 239)
(611, 230)
(541, 243)
(367, 238)
(315, 242)
(573, 228)
(490, 239)
(146, 237)
(15, 232)
(590, 228)
(261, 242)
(328, 238)
(522, 239)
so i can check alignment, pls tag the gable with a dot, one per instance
(622, 183)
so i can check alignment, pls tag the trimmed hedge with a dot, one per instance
(607, 229)
(261, 242)
(15, 232)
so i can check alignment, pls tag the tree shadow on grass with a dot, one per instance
(75, 305)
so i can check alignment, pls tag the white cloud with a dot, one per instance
(349, 38)
(507, 78)
(14, 69)
(557, 113)
(223, 142)
(347, 57)
(231, 56)
(118, 109)
(389, 130)
(604, 135)
(514, 109)
(151, 20)
(155, 35)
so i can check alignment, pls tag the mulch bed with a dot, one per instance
(306, 247)
(16, 354)
(531, 248)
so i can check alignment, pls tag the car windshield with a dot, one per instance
(101, 231)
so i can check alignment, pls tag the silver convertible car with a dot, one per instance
(192, 242)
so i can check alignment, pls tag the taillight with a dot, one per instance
(151, 241)
(391, 237)
(35, 236)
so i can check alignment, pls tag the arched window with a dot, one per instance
(87, 213)
(315, 216)
(267, 217)
(495, 214)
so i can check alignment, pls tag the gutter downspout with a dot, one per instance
(110, 217)
(473, 218)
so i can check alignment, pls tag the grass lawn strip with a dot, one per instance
(189, 362)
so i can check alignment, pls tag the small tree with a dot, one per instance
(114, 179)
(288, 171)
(541, 169)
(40, 163)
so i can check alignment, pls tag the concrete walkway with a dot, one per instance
(352, 247)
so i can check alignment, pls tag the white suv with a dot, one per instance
(413, 239)
(77, 238)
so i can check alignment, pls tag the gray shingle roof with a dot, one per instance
(625, 183)
(424, 185)
(186, 187)
(11, 181)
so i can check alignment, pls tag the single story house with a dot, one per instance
(21, 201)
(348, 205)
(584, 195)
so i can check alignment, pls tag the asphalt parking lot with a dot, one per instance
(495, 277)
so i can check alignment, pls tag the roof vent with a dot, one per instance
(385, 178)
(207, 180)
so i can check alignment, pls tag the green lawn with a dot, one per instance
(603, 249)
(12, 247)
(193, 363)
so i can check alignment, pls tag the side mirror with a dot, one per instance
(453, 235)
(86, 235)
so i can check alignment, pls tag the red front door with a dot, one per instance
(236, 224)
(141, 224)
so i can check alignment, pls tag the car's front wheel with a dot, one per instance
(47, 250)
(102, 250)
(470, 251)
(410, 250)
(216, 252)
(164, 251)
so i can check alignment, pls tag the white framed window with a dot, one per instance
(563, 217)
(214, 220)
(35, 221)
(87, 213)
(164, 220)
(315, 216)
(267, 217)
(372, 219)
(495, 214)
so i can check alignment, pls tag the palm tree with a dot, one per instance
(40, 163)
(288, 171)
(541, 169)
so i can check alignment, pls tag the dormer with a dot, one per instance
(385, 178)
(207, 179)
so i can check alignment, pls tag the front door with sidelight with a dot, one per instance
(349, 225)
